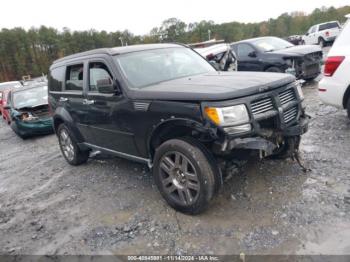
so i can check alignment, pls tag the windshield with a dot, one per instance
(149, 67)
(269, 44)
(30, 97)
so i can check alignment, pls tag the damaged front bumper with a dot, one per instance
(266, 144)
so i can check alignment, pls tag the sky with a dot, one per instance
(141, 16)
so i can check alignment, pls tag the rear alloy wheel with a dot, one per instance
(184, 176)
(70, 148)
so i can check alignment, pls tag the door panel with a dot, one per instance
(109, 114)
(72, 99)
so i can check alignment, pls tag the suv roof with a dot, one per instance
(118, 50)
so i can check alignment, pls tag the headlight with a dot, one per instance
(228, 116)
(300, 91)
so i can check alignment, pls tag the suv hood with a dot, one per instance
(213, 86)
(299, 50)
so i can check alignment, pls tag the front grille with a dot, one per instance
(287, 96)
(290, 114)
(262, 106)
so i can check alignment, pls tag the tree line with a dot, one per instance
(30, 52)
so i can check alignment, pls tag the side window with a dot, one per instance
(313, 29)
(98, 74)
(74, 77)
(243, 50)
(55, 79)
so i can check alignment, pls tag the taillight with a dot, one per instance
(327, 33)
(331, 65)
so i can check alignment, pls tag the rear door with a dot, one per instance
(72, 97)
(109, 114)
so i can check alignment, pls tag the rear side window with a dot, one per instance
(55, 79)
(74, 77)
(328, 26)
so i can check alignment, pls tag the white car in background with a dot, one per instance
(322, 34)
(221, 56)
(334, 88)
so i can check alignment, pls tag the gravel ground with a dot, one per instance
(111, 206)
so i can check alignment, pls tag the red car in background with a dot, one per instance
(5, 88)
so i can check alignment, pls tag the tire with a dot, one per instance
(184, 176)
(302, 42)
(321, 42)
(274, 69)
(348, 108)
(69, 147)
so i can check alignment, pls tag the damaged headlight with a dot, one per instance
(228, 116)
(28, 117)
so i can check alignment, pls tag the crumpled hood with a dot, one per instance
(299, 50)
(213, 86)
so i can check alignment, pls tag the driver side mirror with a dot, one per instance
(252, 54)
(107, 86)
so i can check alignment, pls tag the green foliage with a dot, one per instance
(31, 52)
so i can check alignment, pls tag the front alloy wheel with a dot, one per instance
(179, 178)
(185, 175)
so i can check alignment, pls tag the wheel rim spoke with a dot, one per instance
(193, 186)
(170, 189)
(182, 196)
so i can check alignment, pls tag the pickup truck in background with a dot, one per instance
(322, 34)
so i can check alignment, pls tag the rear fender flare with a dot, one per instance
(62, 116)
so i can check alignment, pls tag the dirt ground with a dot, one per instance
(111, 206)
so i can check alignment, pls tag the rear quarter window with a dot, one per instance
(328, 26)
(55, 79)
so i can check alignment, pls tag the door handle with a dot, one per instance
(88, 102)
(63, 99)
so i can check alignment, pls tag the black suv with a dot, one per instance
(166, 106)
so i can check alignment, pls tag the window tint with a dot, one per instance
(98, 72)
(74, 77)
(328, 26)
(55, 79)
(243, 50)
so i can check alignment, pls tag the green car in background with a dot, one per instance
(29, 111)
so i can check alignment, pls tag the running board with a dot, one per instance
(119, 154)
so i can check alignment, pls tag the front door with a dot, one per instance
(248, 59)
(109, 114)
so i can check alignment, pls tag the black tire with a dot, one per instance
(69, 147)
(348, 108)
(274, 69)
(184, 176)
(321, 42)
